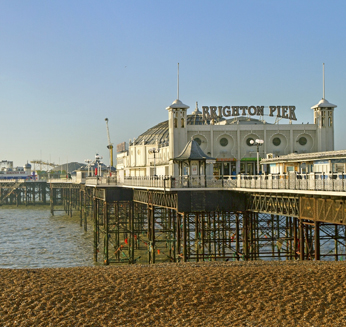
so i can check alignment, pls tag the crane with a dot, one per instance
(110, 145)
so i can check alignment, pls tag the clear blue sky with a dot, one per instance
(67, 65)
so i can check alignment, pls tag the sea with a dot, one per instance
(33, 238)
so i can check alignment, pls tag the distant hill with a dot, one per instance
(69, 167)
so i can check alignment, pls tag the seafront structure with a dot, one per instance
(226, 133)
(180, 195)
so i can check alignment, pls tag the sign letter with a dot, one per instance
(260, 110)
(252, 111)
(235, 111)
(243, 109)
(226, 111)
(205, 112)
(272, 109)
(292, 114)
(213, 113)
(284, 112)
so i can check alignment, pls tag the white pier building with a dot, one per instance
(225, 133)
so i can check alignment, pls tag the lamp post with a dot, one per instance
(154, 151)
(258, 143)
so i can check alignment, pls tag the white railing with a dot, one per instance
(290, 181)
(23, 180)
(295, 181)
(101, 181)
(62, 180)
(180, 181)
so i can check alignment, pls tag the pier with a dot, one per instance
(150, 220)
(24, 192)
(223, 218)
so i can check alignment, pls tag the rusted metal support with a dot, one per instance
(96, 234)
(197, 236)
(51, 200)
(237, 238)
(132, 234)
(317, 240)
(245, 236)
(301, 240)
(106, 233)
(81, 209)
(185, 217)
(336, 242)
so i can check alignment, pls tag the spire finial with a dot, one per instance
(323, 83)
(178, 82)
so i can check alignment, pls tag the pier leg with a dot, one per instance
(336, 242)
(237, 241)
(95, 229)
(203, 235)
(185, 217)
(81, 209)
(197, 236)
(106, 230)
(245, 236)
(301, 240)
(317, 240)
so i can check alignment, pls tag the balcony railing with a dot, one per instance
(180, 181)
(295, 181)
(111, 181)
(291, 181)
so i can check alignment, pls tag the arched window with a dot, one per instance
(302, 140)
(276, 141)
(248, 141)
(223, 142)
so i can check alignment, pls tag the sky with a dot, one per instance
(65, 66)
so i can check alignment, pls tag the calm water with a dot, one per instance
(32, 238)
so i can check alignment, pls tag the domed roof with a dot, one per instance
(160, 132)
(243, 120)
(324, 104)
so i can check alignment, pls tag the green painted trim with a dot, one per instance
(249, 159)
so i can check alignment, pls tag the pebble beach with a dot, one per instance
(183, 294)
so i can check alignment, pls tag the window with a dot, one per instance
(223, 142)
(276, 141)
(248, 141)
(198, 140)
(302, 140)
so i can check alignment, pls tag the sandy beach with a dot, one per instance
(184, 294)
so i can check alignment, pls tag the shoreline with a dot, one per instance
(256, 293)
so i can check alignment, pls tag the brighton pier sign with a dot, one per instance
(215, 112)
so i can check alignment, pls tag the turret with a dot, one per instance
(324, 119)
(177, 121)
(27, 169)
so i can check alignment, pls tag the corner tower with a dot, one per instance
(324, 119)
(177, 125)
